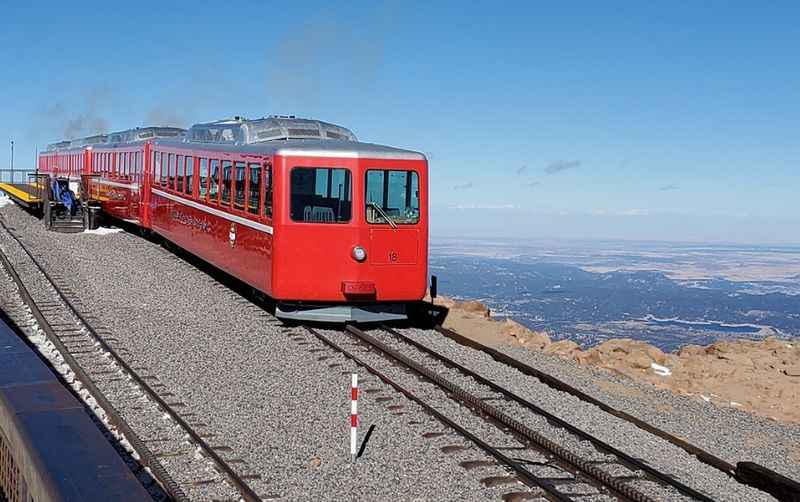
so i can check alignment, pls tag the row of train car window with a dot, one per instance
(70, 164)
(122, 164)
(245, 186)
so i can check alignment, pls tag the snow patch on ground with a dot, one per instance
(660, 370)
(103, 231)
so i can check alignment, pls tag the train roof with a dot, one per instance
(240, 131)
(128, 136)
(145, 133)
(308, 148)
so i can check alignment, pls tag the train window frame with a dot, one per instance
(239, 186)
(180, 172)
(348, 177)
(267, 190)
(171, 171)
(386, 195)
(189, 176)
(157, 168)
(227, 181)
(254, 188)
(215, 177)
(203, 175)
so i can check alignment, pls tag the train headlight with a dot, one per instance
(359, 254)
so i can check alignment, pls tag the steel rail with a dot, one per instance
(560, 385)
(630, 461)
(747, 473)
(528, 478)
(147, 457)
(239, 484)
(588, 468)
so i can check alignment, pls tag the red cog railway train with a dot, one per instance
(330, 228)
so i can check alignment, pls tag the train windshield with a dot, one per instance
(321, 195)
(393, 195)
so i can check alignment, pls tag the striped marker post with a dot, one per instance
(354, 416)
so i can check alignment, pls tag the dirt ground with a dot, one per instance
(759, 377)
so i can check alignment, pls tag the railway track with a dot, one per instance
(176, 452)
(578, 465)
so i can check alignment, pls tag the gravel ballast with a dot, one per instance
(278, 405)
(274, 408)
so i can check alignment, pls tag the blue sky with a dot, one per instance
(608, 120)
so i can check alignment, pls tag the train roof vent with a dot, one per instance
(61, 145)
(276, 127)
(145, 133)
(98, 139)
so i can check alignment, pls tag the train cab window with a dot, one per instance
(393, 195)
(254, 188)
(203, 178)
(321, 195)
(227, 175)
(213, 191)
(180, 174)
(239, 191)
(189, 175)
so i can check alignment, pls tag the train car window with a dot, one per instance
(203, 178)
(268, 190)
(213, 191)
(157, 168)
(240, 186)
(189, 175)
(180, 174)
(321, 195)
(227, 175)
(254, 188)
(392, 194)
(171, 166)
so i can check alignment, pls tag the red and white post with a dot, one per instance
(354, 416)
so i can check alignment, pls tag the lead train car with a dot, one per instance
(332, 229)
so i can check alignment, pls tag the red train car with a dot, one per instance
(331, 228)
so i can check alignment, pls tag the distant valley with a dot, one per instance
(668, 295)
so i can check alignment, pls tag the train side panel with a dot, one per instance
(233, 240)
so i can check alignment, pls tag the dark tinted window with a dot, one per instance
(227, 176)
(254, 177)
(213, 192)
(179, 176)
(238, 200)
(203, 177)
(321, 195)
(189, 175)
(171, 180)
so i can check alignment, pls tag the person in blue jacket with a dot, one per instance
(66, 196)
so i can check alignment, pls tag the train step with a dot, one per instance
(67, 226)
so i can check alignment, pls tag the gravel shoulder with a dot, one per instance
(266, 401)
(277, 403)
